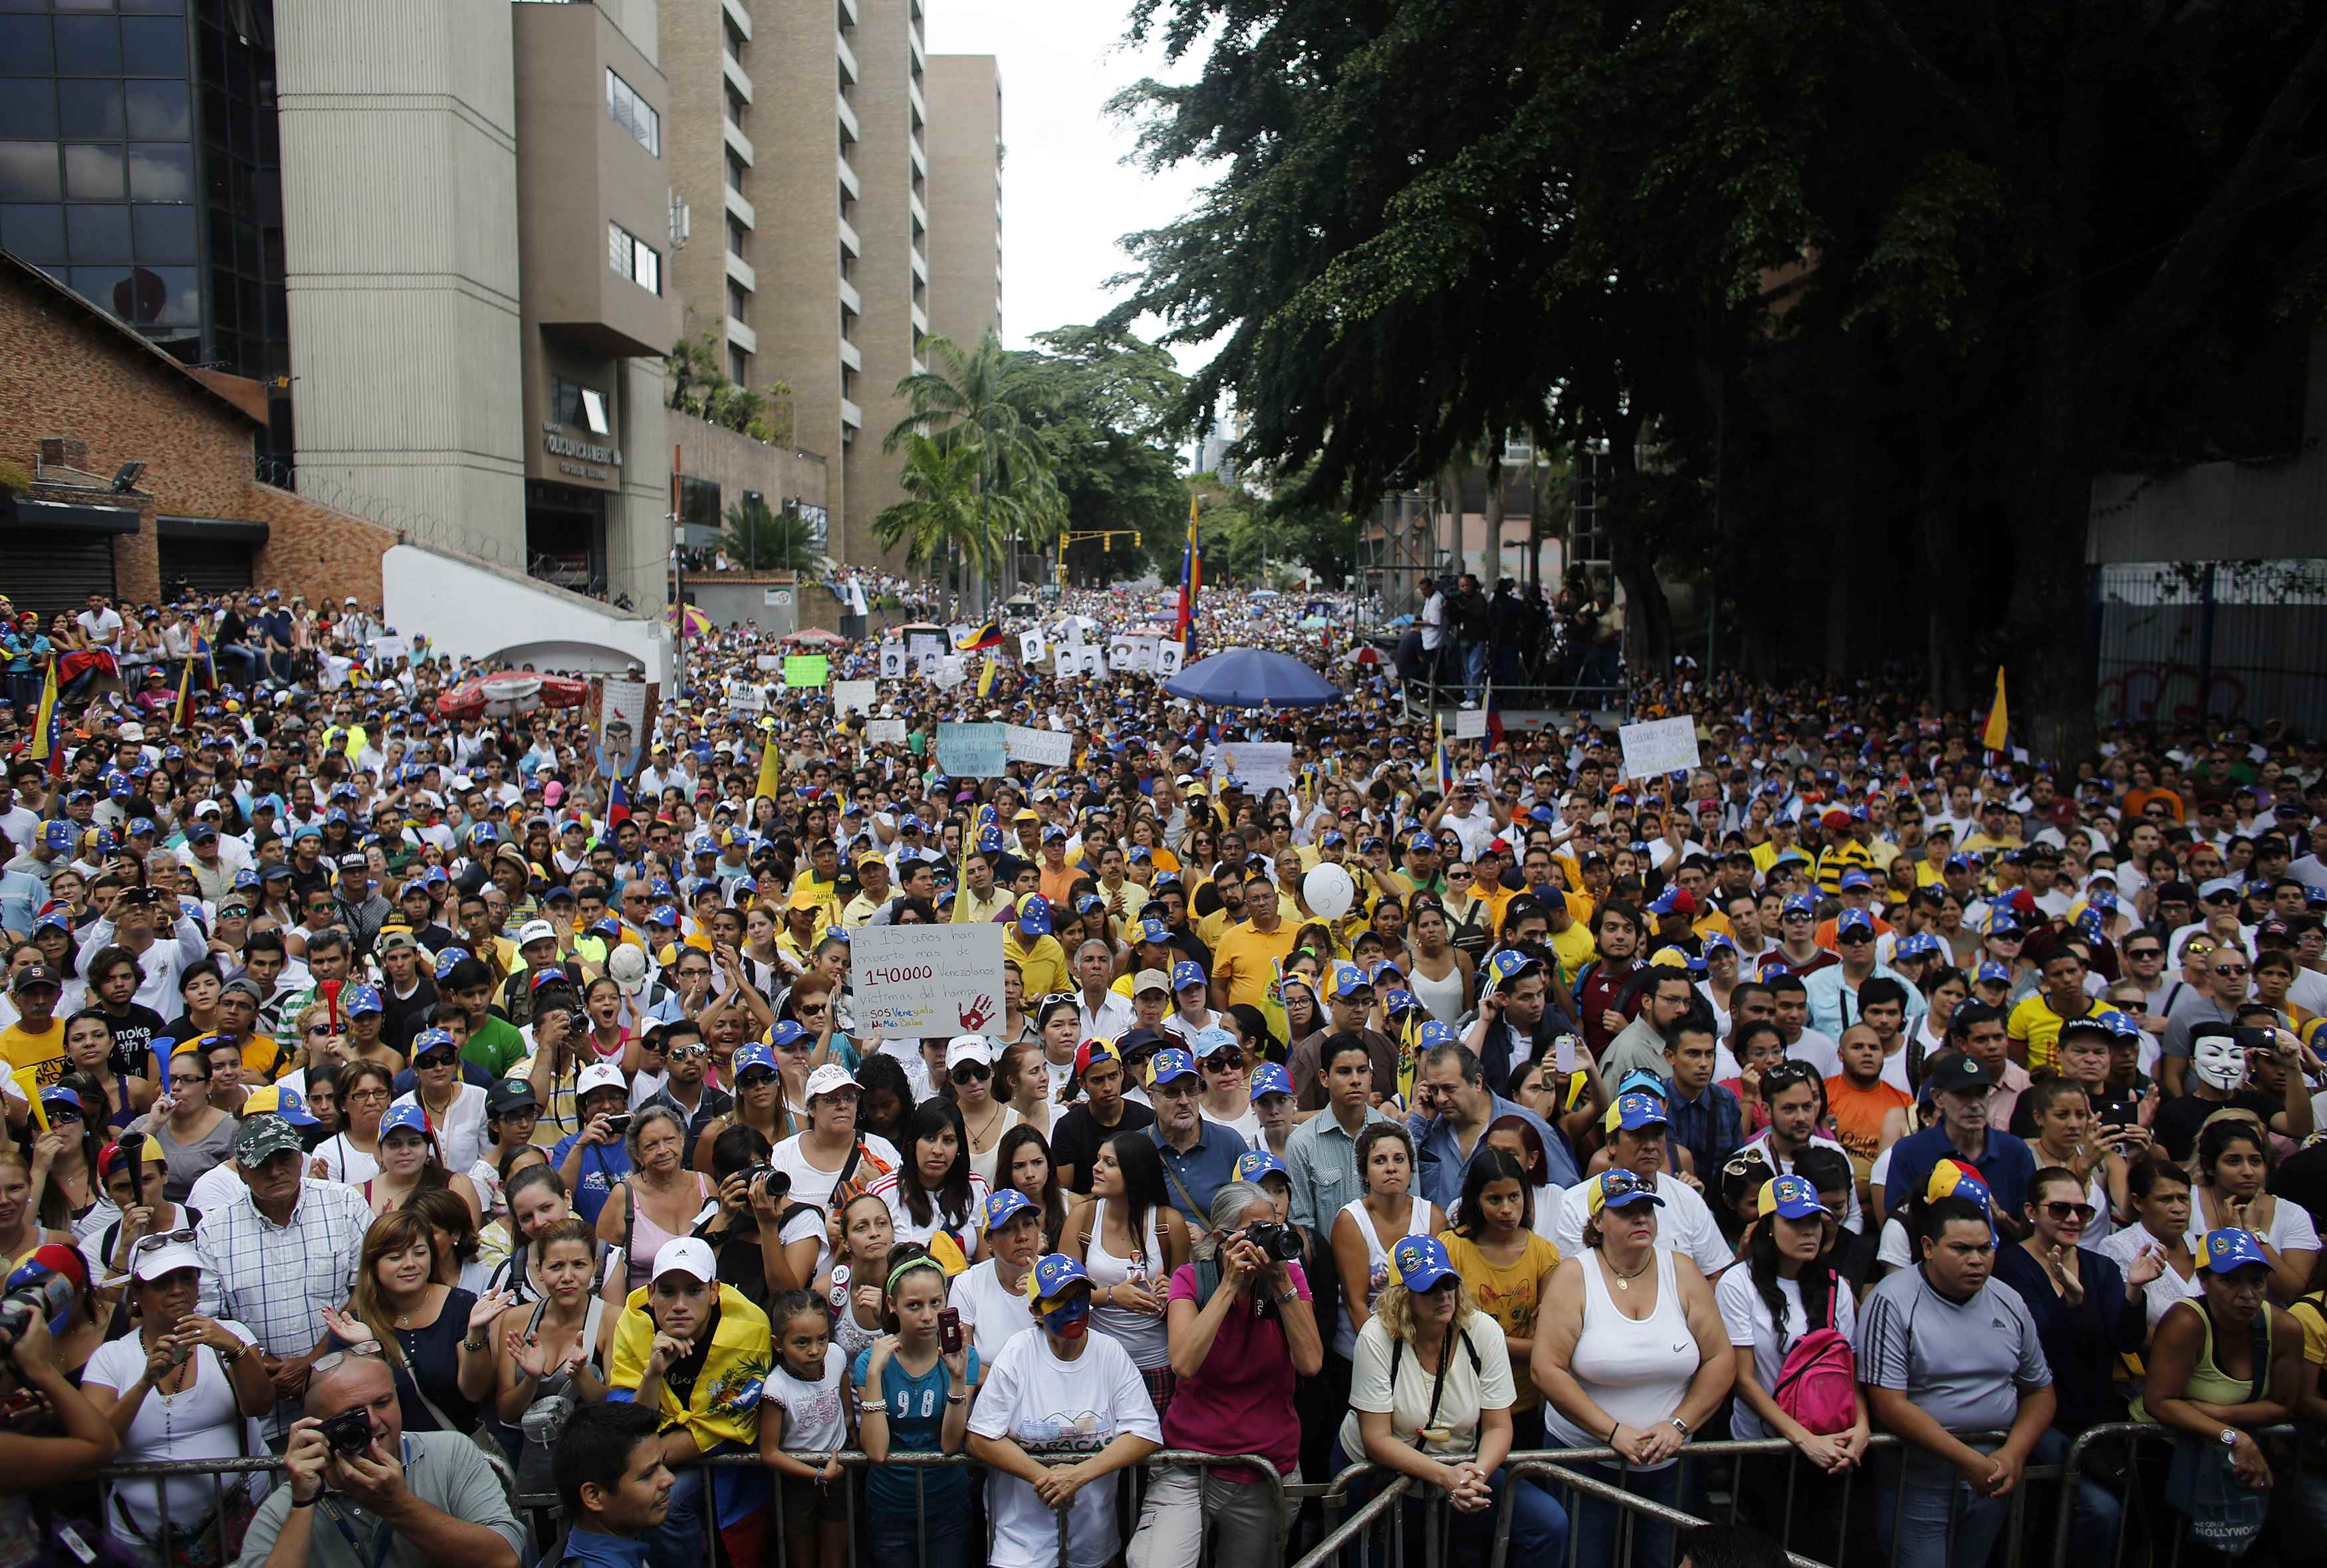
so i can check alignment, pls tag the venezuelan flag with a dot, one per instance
(48, 744)
(986, 636)
(1192, 579)
(1997, 732)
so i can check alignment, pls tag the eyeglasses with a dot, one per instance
(2230, 970)
(2069, 1210)
(362, 1096)
(2144, 952)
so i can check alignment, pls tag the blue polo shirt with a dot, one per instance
(603, 1168)
(2007, 1167)
(1443, 1164)
(1209, 1165)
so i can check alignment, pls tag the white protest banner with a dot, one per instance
(1089, 660)
(912, 981)
(746, 696)
(385, 650)
(972, 750)
(1168, 655)
(1257, 765)
(1121, 655)
(1043, 748)
(769, 661)
(925, 648)
(1030, 647)
(892, 661)
(853, 695)
(884, 732)
(1470, 724)
(1658, 746)
(622, 720)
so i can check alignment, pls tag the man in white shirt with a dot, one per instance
(1636, 1130)
(100, 623)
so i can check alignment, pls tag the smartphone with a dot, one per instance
(2122, 1114)
(1563, 1054)
(950, 1331)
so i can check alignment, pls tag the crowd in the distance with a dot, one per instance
(389, 1087)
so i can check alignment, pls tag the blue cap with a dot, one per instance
(1187, 971)
(1210, 1043)
(2000, 923)
(1854, 921)
(141, 825)
(448, 957)
(1168, 1065)
(429, 1040)
(786, 1034)
(1800, 904)
(2227, 1251)
(403, 1119)
(1055, 1272)
(244, 880)
(1270, 1078)
(1853, 880)
(2118, 1023)
(1089, 903)
(1001, 1206)
(1634, 1111)
(1619, 1188)
(1506, 965)
(1434, 1034)
(1421, 1262)
(57, 1094)
(1669, 900)
(357, 999)
(1349, 980)
(1397, 1000)
(1718, 943)
(290, 1104)
(1035, 915)
(58, 835)
(749, 1056)
(1921, 945)
(1421, 841)
(1382, 966)
(1254, 1163)
(1792, 1197)
(1154, 929)
(663, 915)
(2101, 899)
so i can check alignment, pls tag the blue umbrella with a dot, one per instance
(1252, 678)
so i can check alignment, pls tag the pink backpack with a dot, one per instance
(1818, 1385)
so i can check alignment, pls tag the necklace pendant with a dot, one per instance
(1622, 1284)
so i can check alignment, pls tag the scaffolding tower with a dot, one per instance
(1398, 557)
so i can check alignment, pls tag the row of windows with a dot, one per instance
(46, 235)
(94, 45)
(633, 113)
(96, 172)
(95, 109)
(633, 259)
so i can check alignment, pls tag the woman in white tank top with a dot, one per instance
(1129, 1238)
(1630, 1353)
(1437, 971)
(1366, 1227)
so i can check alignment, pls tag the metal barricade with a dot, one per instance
(2095, 1440)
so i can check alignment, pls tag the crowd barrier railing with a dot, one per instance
(542, 1512)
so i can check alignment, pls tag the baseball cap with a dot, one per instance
(1008, 1204)
(1421, 1262)
(32, 974)
(1505, 967)
(1791, 1197)
(1054, 1273)
(1254, 1163)
(2221, 887)
(155, 1262)
(1270, 1078)
(1674, 900)
(357, 999)
(1800, 904)
(1150, 980)
(1035, 915)
(689, 1256)
(262, 1137)
(1092, 1052)
(288, 1103)
(1960, 1074)
(970, 1047)
(603, 1075)
(446, 957)
(2228, 1250)
(757, 1055)
(1634, 1111)
(1991, 973)
(1187, 971)
(830, 1079)
(404, 1118)
(1169, 1065)
(514, 1093)
(1618, 1188)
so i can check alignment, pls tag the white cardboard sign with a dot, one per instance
(1043, 748)
(853, 695)
(1658, 746)
(912, 980)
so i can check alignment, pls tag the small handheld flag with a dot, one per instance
(770, 769)
(1998, 730)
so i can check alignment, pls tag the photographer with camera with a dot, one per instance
(49, 1434)
(363, 1494)
(1241, 1330)
(754, 1205)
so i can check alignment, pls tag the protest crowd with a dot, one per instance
(455, 1108)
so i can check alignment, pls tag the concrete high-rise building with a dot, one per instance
(964, 199)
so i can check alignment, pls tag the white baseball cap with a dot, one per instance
(827, 1079)
(686, 1254)
(152, 1263)
(964, 1048)
(535, 931)
(598, 1075)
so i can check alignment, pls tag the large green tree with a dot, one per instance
(1858, 296)
(1102, 403)
(978, 399)
(944, 519)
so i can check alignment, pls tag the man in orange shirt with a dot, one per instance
(1858, 1099)
(1059, 878)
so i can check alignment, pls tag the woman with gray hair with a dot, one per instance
(1241, 1330)
(659, 1199)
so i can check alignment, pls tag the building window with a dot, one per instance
(739, 301)
(738, 235)
(633, 114)
(633, 259)
(735, 171)
(572, 404)
(698, 502)
(738, 365)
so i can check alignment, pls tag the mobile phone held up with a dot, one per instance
(950, 1331)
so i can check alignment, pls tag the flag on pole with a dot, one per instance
(1998, 727)
(986, 675)
(185, 709)
(769, 768)
(48, 744)
(1441, 766)
(1191, 578)
(986, 636)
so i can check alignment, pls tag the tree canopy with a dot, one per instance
(1858, 297)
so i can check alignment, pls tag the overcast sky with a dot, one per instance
(1067, 195)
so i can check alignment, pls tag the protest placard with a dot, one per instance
(1470, 724)
(1043, 748)
(854, 696)
(884, 732)
(892, 661)
(1168, 657)
(768, 662)
(1257, 765)
(912, 981)
(1658, 746)
(1122, 655)
(1030, 647)
(925, 646)
(806, 671)
(972, 750)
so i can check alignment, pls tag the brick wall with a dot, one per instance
(67, 370)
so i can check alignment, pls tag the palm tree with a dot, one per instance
(942, 519)
(980, 398)
(765, 540)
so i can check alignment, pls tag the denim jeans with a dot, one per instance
(1474, 670)
(2099, 1511)
(897, 1542)
(1600, 1524)
(1936, 1520)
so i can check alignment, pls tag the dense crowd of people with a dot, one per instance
(394, 1093)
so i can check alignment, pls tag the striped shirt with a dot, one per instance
(277, 1279)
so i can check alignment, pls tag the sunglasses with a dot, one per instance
(2144, 952)
(436, 1058)
(756, 1077)
(686, 1052)
(971, 1072)
(323, 1030)
(145, 1244)
(2230, 970)
(2069, 1210)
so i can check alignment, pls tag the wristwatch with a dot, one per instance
(1680, 1425)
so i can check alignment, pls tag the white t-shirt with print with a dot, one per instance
(1049, 1406)
(814, 1420)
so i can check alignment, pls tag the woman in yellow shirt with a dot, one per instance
(1507, 1267)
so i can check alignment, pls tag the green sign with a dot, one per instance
(807, 669)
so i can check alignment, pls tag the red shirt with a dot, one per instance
(1241, 1401)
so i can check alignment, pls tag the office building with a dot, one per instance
(964, 199)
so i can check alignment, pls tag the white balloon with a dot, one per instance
(1329, 891)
